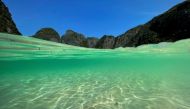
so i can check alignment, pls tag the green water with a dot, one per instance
(38, 74)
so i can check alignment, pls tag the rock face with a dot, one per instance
(174, 24)
(136, 36)
(91, 42)
(48, 34)
(106, 42)
(74, 38)
(6, 23)
(77, 39)
(171, 26)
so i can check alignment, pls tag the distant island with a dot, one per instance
(170, 26)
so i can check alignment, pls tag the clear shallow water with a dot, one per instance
(37, 74)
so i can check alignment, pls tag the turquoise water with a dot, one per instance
(38, 74)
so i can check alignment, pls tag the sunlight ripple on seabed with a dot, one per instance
(91, 90)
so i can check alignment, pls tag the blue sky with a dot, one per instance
(90, 17)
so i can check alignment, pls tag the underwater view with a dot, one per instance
(38, 74)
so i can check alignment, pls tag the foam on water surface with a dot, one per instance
(37, 74)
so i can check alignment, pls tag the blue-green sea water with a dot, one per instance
(37, 74)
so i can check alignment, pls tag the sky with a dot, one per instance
(93, 18)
